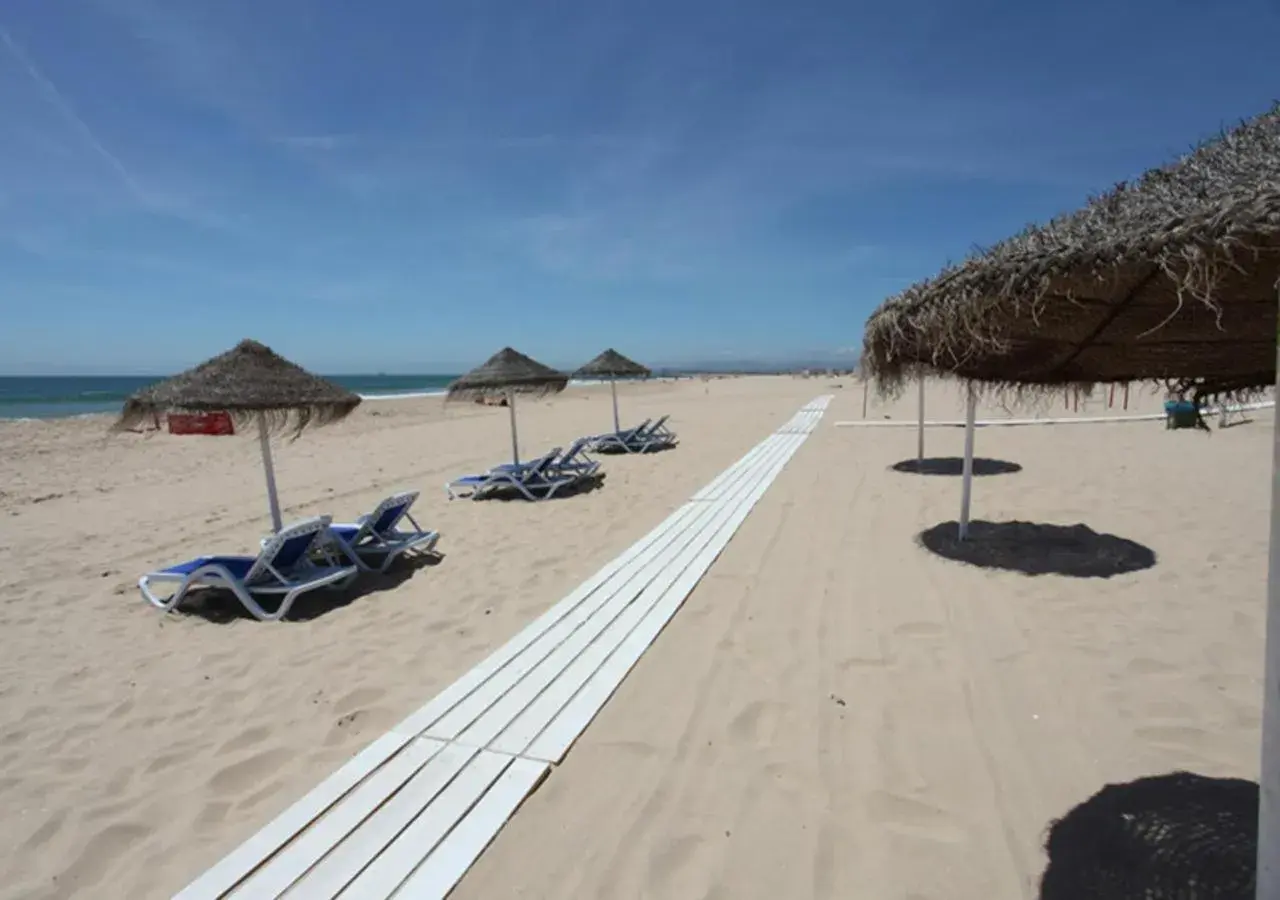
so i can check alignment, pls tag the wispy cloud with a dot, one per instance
(55, 97)
(166, 203)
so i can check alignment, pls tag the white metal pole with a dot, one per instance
(264, 439)
(515, 439)
(865, 384)
(920, 425)
(613, 386)
(1269, 800)
(966, 482)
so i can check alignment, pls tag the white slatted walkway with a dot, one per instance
(408, 815)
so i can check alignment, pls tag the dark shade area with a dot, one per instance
(582, 486)
(954, 465)
(220, 606)
(615, 450)
(1033, 548)
(1179, 836)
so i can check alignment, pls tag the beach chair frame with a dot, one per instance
(534, 481)
(644, 438)
(300, 574)
(378, 538)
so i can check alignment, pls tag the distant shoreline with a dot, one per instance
(56, 409)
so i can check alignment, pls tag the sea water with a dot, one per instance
(58, 396)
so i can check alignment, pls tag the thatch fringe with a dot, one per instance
(612, 364)
(507, 371)
(292, 422)
(245, 382)
(1173, 278)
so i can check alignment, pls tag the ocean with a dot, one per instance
(55, 397)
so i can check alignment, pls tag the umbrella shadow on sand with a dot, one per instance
(221, 607)
(1035, 548)
(954, 465)
(1157, 837)
(584, 486)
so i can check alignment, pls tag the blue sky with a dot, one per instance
(409, 185)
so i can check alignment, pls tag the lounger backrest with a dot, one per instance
(288, 547)
(539, 465)
(575, 450)
(387, 514)
(654, 428)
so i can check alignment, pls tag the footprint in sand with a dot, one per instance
(249, 772)
(94, 862)
(861, 662)
(45, 832)
(755, 722)
(166, 761)
(212, 813)
(907, 815)
(919, 629)
(634, 749)
(1182, 737)
(358, 699)
(671, 858)
(250, 737)
(1145, 665)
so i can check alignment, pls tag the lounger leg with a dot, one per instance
(165, 605)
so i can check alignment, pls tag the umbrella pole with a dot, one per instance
(966, 482)
(864, 397)
(264, 440)
(515, 438)
(1269, 795)
(920, 425)
(613, 386)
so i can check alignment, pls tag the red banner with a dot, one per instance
(214, 423)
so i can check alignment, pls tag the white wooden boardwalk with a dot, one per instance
(408, 815)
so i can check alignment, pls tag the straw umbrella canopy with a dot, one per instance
(1172, 277)
(505, 374)
(1175, 277)
(613, 365)
(251, 383)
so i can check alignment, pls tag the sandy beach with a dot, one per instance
(835, 712)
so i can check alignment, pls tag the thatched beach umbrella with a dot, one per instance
(505, 374)
(1171, 277)
(613, 365)
(249, 383)
(1175, 277)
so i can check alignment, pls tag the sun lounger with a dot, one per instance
(659, 435)
(618, 440)
(284, 568)
(575, 461)
(644, 438)
(534, 481)
(375, 541)
(529, 465)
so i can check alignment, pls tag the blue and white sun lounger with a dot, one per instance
(534, 481)
(377, 537)
(283, 568)
(618, 440)
(659, 435)
(575, 461)
(642, 439)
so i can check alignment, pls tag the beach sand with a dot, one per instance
(835, 712)
(136, 749)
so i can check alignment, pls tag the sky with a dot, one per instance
(409, 185)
